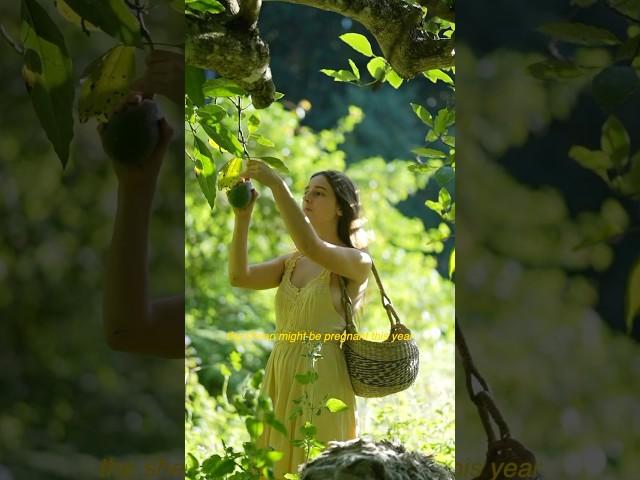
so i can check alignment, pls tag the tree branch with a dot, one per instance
(230, 44)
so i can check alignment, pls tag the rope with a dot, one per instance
(482, 399)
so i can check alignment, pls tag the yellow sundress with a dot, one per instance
(306, 309)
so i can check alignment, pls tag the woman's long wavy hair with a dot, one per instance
(351, 222)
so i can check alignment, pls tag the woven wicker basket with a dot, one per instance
(377, 369)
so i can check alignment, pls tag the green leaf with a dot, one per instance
(204, 6)
(354, 69)
(377, 67)
(429, 152)
(222, 136)
(630, 8)
(614, 85)
(194, 82)
(444, 119)
(274, 455)
(423, 114)
(275, 163)
(276, 424)
(449, 140)
(556, 70)
(230, 173)
(630, 181)
(224, 370)
(253, 122)
(112, 17)
(394, 79)
(236, 360)
(339, 75)
(192, 463)
(335, 405)
(70, 15)
(47, 74)
(452, 262)
(632, 307)
(212, 112)
(444, 175)
(278, 95)
(358, 42)
(221, 87)
(307, 377)
(437, 74)
(597, 160)
(205, 170)
(291, 476)
(444, 198)
(580, 33)
(107, 83)
(615, 141)
(308, 429)
(264, 141)
(254, 427)
(216, 467)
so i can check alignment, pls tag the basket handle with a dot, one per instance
(386, 301)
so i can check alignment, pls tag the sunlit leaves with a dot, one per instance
(423, 114)
(354, 69)
(275, 163)
(205, 170)
(358, 42)
(376, 67)
(47, 75)
(254, 427)
(443, 206)
(107, 82)
(223, 136)
(429, 152)
(438, 74)
(230, 173)
(452, 263)
(339, 75)
(221, 87)
(335, 405)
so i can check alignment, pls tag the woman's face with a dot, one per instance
(319, 202)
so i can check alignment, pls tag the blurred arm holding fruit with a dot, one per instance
(136, 138)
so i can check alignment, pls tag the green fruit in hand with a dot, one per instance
(132, 133)
(240, 194)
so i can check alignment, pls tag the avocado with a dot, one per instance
(132, 133)
(239, 195)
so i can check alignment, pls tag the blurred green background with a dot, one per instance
(67, 401)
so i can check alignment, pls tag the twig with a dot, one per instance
(139, 10)
(16, 46)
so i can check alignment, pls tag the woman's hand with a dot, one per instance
(146, 172)
(164, 75)
(245, 213)
(261, 172)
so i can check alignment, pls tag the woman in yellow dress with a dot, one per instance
(308, 300)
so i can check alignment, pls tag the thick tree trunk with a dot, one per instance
(229, 43)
